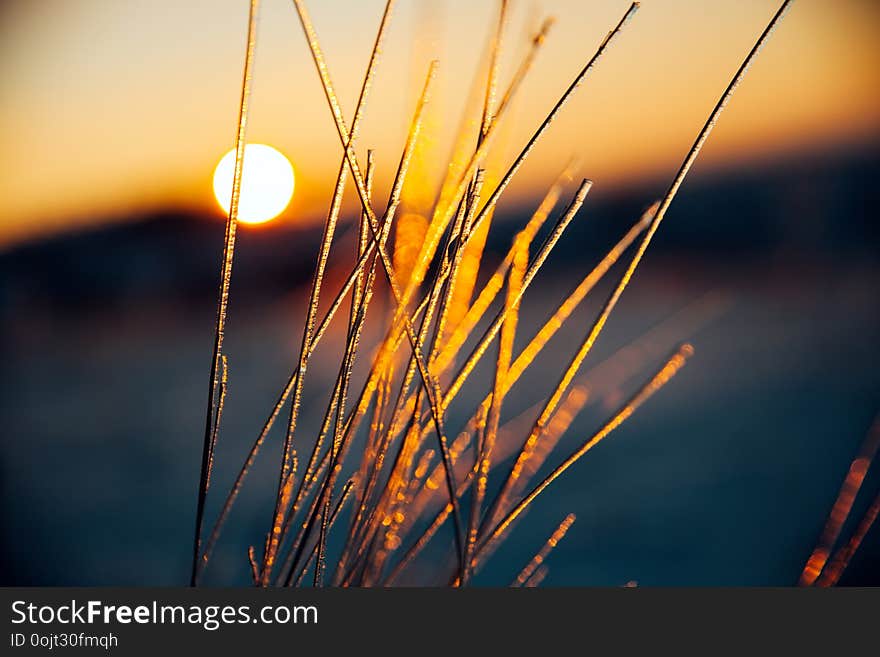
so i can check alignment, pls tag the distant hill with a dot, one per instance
(824, 204)
(163, 255)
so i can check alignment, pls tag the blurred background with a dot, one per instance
(114, 116)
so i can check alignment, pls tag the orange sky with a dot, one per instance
(114, 107)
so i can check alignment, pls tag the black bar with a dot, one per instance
(416, 621)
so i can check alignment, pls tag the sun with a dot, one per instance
(266, 183)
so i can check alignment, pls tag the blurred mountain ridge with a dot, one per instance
(805, 206)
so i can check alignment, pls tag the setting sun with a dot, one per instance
(266, 183)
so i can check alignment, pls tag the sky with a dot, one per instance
(111, 109)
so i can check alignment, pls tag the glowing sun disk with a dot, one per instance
(266, 183)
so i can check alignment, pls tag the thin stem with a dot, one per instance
(532, 567)
(840, 560)
(225, 279)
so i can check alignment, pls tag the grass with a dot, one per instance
(389, 471)
(824, 568)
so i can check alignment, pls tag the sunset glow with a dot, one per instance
(160, 125)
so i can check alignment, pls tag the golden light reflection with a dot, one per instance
(841, 510)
